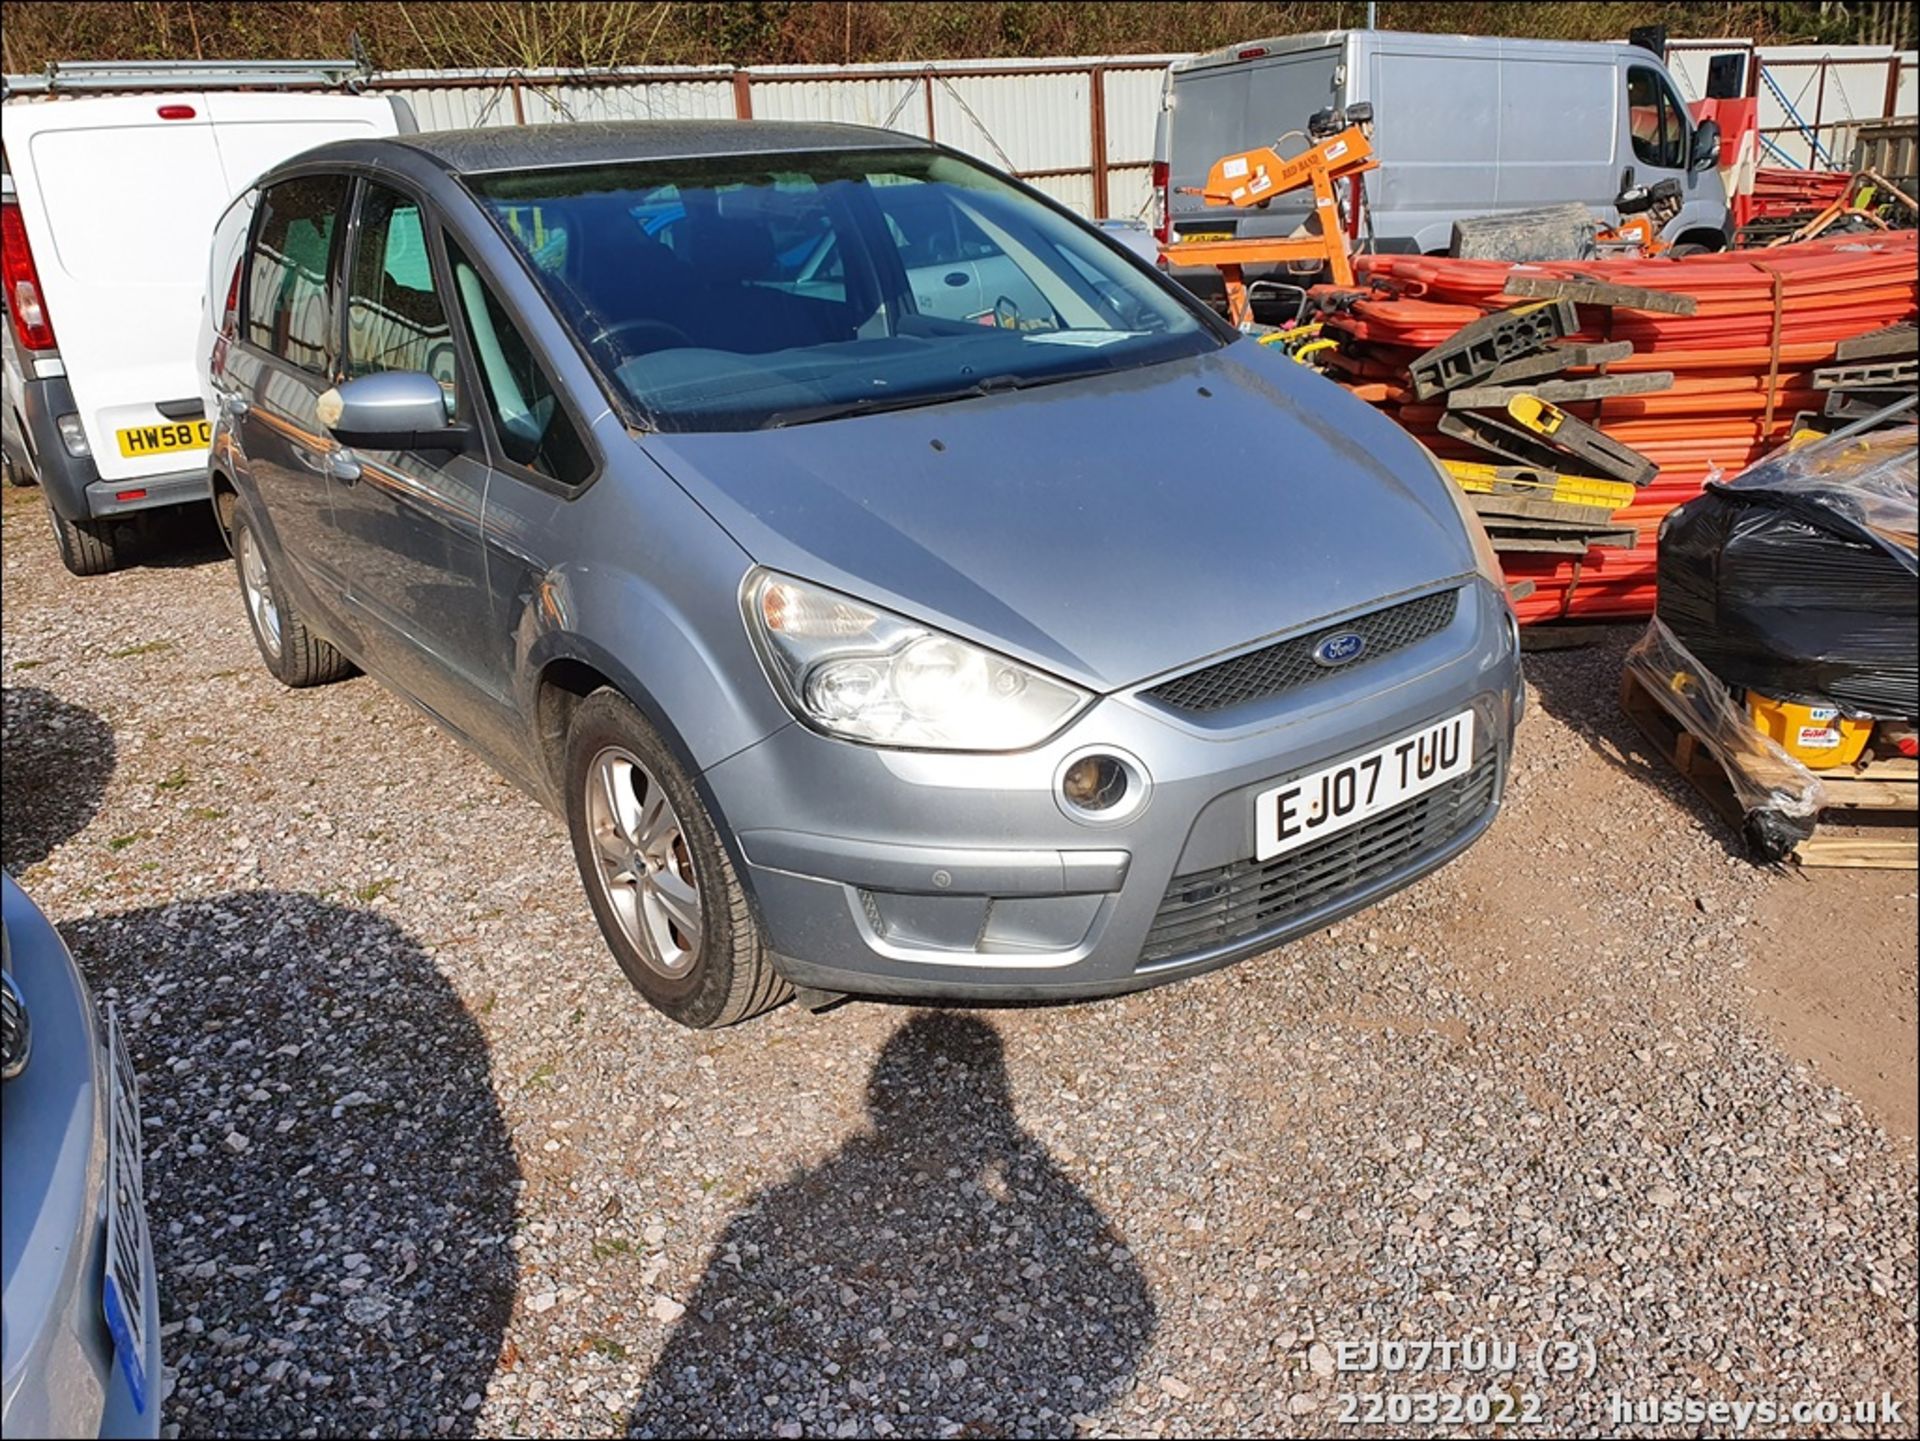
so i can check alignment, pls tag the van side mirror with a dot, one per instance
(1705, 153)
(394, 410)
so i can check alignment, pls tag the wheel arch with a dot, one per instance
(226, 499)
(575, 668)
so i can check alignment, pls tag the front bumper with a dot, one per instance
(940, 875)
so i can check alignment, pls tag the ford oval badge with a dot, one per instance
(1339, 649)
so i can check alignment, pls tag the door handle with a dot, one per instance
(343, 465)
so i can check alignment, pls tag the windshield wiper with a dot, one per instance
(879, 404)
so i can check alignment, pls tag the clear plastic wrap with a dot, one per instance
(1870, 481)
(1797, 579)
(1778, 796)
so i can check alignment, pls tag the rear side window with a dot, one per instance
(288, 305)
(395, 320)
(1654, 120)
(535, 429)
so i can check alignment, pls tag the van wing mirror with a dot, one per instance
(394, 410)
(1705, 153)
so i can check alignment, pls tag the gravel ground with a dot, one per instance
(419, 1162)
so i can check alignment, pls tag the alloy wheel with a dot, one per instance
(645, 865)
(259, 592)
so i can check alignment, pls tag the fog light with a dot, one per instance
(1095, 783)
(73, 437)
(1101, 786)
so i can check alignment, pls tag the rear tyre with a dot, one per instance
(1688, 247)
(87, 547)
(295, 655)
(661, 884)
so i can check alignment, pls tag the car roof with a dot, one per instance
(608, 142)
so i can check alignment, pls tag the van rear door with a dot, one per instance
(119, 202)
(254, 133)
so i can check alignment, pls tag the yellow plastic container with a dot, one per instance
(1819, 737)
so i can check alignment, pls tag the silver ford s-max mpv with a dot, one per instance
(899, 587)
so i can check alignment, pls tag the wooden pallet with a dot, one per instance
(1883, 795)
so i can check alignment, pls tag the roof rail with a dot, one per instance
(73, 77)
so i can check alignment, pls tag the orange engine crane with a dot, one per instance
(1342, 149)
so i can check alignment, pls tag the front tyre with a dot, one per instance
(662, 887)
(296, 656)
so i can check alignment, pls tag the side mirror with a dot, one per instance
(1705, 153)
(394, 410)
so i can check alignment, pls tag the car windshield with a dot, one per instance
(743, 292)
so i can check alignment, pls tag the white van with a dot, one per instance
(110, 206)
(1464, 126)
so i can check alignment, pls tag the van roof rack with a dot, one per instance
(74, 77)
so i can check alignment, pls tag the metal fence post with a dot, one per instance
(1098, 76)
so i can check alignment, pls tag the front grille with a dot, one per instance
(1229, 903)
(1280, 667)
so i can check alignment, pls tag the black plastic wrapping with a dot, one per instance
(1798, 578)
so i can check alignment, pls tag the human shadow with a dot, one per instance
(329, 1182)
(937, 1270)
(56, 759)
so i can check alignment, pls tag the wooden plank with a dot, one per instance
(1887, 768)
(1596, 292)
(1598, 387)
(1862, 854)
(1869, 795)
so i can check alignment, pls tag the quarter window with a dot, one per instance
(534, 427)
(395, 321)
(1653, 115)
(289, 306)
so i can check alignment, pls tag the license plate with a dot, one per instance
(124, 1291)
(140, 440)
(1314, 806)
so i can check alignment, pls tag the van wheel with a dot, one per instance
(661, 885)
(87, 547)
(1686, 248)
(297, 657)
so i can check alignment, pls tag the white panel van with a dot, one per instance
(1463, 126)
(110, 206)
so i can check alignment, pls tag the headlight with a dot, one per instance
(861, 673)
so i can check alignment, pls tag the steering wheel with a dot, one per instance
(1006, 315)
(667, 336)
